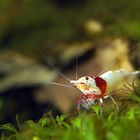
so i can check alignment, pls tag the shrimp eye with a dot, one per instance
(87, 78)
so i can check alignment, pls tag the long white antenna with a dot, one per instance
(117, 59)
(58, 84)
(37, 83)
(113, 62)
(76, 67)
(62, 75)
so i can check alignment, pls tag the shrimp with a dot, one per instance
(97, 88)
(92, 88)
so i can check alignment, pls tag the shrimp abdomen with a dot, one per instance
(115, 78)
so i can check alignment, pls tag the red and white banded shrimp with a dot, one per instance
(99, 87)
(96, 88)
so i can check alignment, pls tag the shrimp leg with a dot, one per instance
(114, 103)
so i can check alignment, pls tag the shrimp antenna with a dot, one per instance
(37, 83)
(76, 67)
(117, 59)
(59, 84)
(112, 63)
(62, 75)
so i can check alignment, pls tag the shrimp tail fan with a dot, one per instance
(137, 73)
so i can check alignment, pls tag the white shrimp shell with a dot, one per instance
(114, 79)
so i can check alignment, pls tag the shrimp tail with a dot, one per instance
(137, 73)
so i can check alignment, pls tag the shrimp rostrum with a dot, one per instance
(95, 89)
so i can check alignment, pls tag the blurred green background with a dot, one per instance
(25, 24)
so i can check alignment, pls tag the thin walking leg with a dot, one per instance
(101, 111)
(114, 103)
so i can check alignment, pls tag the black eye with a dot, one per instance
(87, 78)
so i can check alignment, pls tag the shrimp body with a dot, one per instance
(114, 78)
(99, 87)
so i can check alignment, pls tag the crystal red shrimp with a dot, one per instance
(99, 87)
